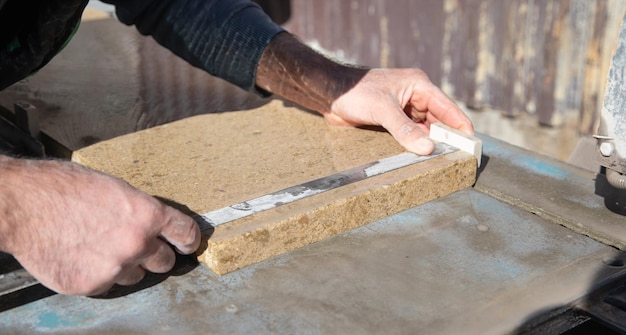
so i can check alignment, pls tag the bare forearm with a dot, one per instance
(7, 202)
(79, 231)
(26, 199)
(292, 70)
(403, 101)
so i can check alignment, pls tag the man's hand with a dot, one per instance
(403, 101)
(80, 232)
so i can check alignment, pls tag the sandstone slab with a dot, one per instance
(216, 160)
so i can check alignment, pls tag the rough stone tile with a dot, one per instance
(212, 161)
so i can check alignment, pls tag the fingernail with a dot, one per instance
(424, 146)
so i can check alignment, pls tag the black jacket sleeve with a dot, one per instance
(224, 37)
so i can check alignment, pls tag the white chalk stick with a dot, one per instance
(442, 133)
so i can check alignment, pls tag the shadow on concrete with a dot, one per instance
(614, 198)
(184, 264)
(484, 161)
(603, 309)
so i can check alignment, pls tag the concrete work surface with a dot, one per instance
(484, 260)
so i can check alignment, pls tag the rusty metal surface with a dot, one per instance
(547, 58)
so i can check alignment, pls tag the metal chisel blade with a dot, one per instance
(15, 281)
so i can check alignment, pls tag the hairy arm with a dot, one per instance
(403, 101)
(79, 231)
(294, 71)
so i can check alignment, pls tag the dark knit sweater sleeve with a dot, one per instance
(224, 37)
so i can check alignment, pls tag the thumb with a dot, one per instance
(408, 133)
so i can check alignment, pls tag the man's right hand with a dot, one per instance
(80, 232)
(403, 101)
